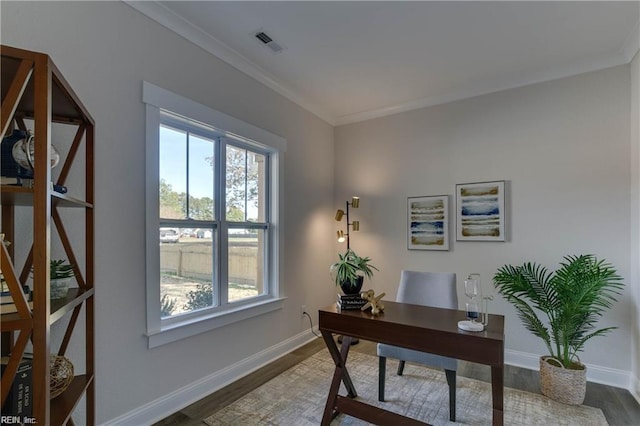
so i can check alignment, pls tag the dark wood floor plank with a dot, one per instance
(629, 406)
(179, 419)
(618, 405)
(244, 385)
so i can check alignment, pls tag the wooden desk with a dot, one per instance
(422, 328)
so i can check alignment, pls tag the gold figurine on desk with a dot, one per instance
(373, 302)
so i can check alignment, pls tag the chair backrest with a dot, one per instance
(437, 289)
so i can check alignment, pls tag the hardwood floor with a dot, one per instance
(618, 405)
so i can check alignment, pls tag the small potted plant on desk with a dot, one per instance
(349, 273)
(572, 298)
(61, 274)
(350, 270)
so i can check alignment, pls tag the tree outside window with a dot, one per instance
(191, 277)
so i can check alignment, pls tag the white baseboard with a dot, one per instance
(175, 401)
(595, 373)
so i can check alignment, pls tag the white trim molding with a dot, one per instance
(163, 407)
(165, 17)
(493, 85)
(595, 373)
(165, 99)
(162, 331)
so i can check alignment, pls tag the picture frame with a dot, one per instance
(428, 223)
(480, 211)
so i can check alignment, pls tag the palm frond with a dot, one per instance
(573, 298)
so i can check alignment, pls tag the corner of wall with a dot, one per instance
(635, 221)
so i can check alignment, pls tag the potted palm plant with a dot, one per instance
(350, 270)
(61, 273)
(572, 299)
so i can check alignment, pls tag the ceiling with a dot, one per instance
(352, 61)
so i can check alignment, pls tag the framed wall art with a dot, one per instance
(428, 223)
(480, 211)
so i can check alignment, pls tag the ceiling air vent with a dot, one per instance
(268, 41)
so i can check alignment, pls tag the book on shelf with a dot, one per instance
(19, 402)
(16, 181)
(11, 308)
(6, 297)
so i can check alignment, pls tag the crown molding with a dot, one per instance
(196, 35)
(497, 84)
(200, 38)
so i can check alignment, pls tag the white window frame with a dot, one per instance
(161, 331)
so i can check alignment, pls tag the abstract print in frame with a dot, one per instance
(480, 212)
(428, 223)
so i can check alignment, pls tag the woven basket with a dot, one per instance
(563, 384)
(60, 376)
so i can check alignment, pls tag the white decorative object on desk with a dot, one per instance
(476, 306)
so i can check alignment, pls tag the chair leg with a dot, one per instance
(451, 380)
(382, 370)
(400, 367)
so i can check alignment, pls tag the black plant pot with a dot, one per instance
(349, 287)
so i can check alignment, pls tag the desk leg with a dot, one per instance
(339, 375)
(347, 342)
(497, 389)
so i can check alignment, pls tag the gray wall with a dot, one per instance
(105, 50)
(563, 146)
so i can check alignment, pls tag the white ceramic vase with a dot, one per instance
(59, 288)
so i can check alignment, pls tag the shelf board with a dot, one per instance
(13, 322)
(64, 200)
(63, 405)
(59, 308)
(75, 296)
(21, 196)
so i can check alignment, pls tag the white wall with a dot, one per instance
(105, 50)
(635, 217)
(563, 146)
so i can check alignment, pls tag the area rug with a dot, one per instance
(297, 397)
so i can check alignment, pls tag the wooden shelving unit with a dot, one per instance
(34, 91)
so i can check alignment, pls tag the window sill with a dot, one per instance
(204, 323)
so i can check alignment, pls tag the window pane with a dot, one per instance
(173, 173)
(256, 187)
(186, 270)
(201, 174)
(246, 263)
(236, 183)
